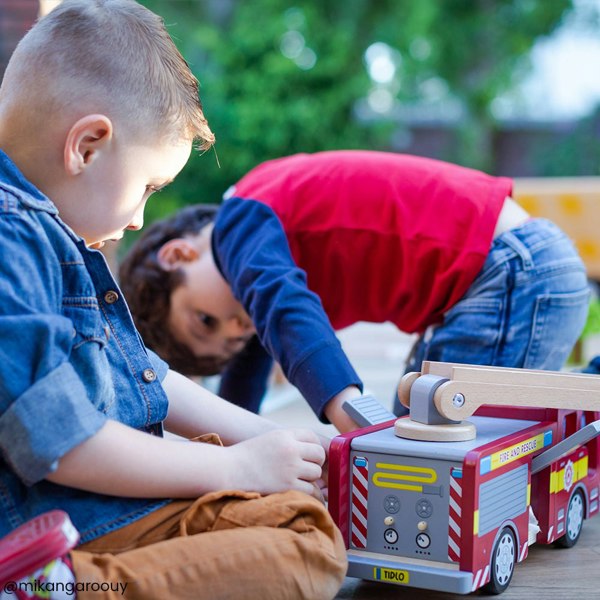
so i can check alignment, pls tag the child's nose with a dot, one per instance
(136, 224)
(138, 220)
(237, 327)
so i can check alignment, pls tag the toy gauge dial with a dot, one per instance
(391, 536)
(423, 540)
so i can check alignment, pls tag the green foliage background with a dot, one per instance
(262, 105)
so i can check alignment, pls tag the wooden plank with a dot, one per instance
(477, 394)
(525, 377)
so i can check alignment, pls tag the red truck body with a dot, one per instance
(456, 516)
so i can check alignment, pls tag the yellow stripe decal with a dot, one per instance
(557, 478)
(516, 451)
(423, 475)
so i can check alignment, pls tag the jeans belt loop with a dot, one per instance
(520, 248)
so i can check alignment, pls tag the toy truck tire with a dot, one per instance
(504, 558)
(574, 524)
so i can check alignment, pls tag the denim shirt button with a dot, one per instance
(148, 375)
(111, 297)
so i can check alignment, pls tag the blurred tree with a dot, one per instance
(280, 77)
(274, 81)
(477, 49)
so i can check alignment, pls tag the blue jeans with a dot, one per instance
(593, 367)
(526, 308)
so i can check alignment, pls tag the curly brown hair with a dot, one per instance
(148, 287)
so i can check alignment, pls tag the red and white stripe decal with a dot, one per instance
(454, 520)
(360, 494)
(480, 578)
(524, 551)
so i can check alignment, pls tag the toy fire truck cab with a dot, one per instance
(458, 516)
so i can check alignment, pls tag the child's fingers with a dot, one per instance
(324, 441)
(324, 491)
(325, 472)
(308, 488)
(309, 471)
(313, 453)
(306, 435)
(312, 449)
(319, 493)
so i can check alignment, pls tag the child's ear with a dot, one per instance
(176, 253)
(85, 140)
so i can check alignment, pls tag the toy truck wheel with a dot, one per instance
(504, 558)
(575, 514)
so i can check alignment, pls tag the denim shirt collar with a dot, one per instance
(33, 197)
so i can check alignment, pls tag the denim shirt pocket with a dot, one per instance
(88, 352)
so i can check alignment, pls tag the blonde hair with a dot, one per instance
(109, 56)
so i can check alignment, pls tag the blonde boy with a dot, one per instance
(97, 111)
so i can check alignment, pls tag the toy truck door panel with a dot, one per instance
(500, 475)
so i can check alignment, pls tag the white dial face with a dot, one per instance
(391, 536)
(423, 540)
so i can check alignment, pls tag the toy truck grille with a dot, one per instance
(401, 506)
(502, 498)
(425, 498)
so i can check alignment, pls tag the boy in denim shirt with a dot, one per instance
(97, 111)
(311, 243)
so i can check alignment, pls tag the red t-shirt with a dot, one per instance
(381, 236)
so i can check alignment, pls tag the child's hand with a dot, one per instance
(321, 490)
(323, 482)
(280, 460)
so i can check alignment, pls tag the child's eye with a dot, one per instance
(207, 320)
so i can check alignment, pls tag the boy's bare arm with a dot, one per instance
(337, 415)
(194, 410)
(121, 461)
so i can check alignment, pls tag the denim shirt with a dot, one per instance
(70, 359)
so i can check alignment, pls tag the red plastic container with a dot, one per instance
(35, 543)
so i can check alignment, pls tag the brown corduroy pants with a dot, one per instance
(225, 545)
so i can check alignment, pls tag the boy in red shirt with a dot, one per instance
(308, 244)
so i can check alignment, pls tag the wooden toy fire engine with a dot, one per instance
(432, 501)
